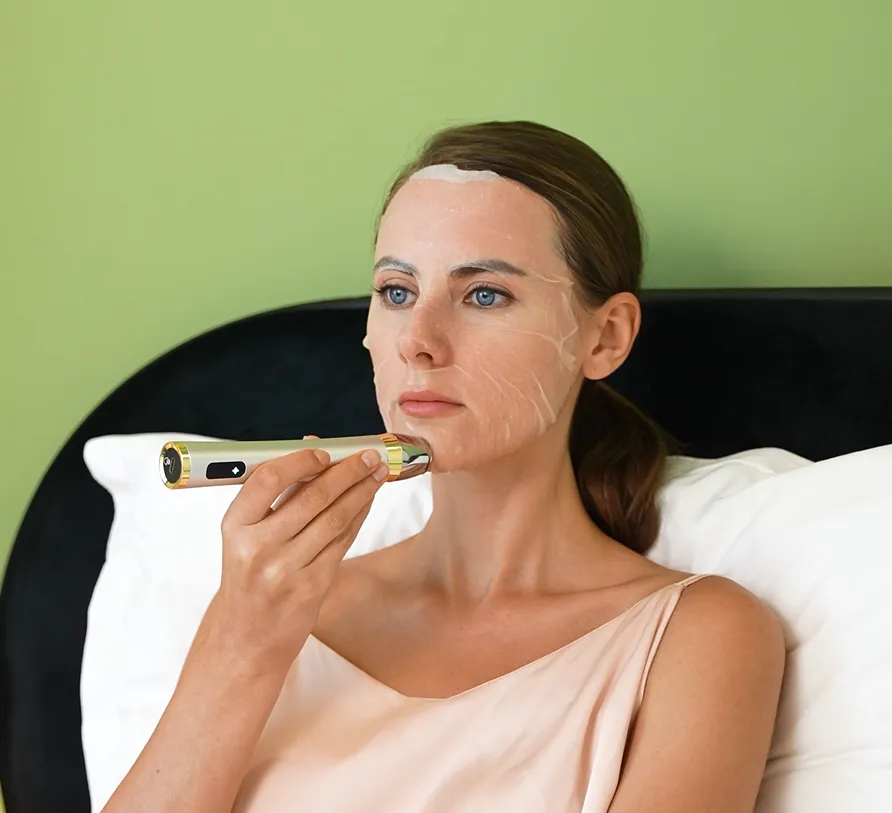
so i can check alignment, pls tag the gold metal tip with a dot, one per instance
(185, 464)
(394, 455)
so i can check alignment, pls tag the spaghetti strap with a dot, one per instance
(691, 579)
(666, 610)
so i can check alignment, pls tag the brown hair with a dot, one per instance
(618, 454)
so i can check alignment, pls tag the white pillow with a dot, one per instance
(810, 539)
(816, 544)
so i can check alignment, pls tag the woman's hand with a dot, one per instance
(279, 563)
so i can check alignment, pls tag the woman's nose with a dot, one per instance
(423, 339)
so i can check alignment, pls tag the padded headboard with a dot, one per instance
(723, 371)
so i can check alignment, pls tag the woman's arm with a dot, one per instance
(278, 566)
(701, 740)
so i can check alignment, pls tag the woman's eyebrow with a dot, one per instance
(468, 269)
(393, 264)
(465, 269)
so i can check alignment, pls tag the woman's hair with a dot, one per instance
(618, 454)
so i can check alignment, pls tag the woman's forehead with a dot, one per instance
(440, 221)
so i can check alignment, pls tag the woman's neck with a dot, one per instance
(516, 526)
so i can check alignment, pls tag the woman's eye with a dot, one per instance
(397, 296)
(394, 296)
(487, 297)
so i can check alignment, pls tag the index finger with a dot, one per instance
(270, 479)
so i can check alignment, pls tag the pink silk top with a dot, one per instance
(548, 737)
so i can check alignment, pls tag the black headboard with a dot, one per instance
(723, 371)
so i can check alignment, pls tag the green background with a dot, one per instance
(166, 167)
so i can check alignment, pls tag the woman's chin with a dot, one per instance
(453, 455)
(461, 445)
(450, 452)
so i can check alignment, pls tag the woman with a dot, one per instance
(520, 653)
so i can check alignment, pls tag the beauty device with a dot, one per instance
(191, 464)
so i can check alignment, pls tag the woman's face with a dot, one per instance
(473, 304)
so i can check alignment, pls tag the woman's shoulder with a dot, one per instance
(717, 617)
(723, 597)
(709, 702)
(709, 602)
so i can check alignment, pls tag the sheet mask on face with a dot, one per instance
(512, 362)
(450, 172)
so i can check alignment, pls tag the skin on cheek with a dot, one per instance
(560, 329)
(536, 372)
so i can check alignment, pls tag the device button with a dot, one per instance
(225, 470)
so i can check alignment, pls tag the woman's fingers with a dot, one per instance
(330, 556)
(328, 498)
(337, 524)
(268, 482)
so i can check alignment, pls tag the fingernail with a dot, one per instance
(371, 459)
(322, 456)
(381, 472)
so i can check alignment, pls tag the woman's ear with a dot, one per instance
(613, 329)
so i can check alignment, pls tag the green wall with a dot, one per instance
(169, 166)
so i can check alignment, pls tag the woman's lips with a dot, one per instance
(428, 409)
(427, 404)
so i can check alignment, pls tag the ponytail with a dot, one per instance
(619, 459)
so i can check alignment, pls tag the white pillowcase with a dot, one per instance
(811, 539)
